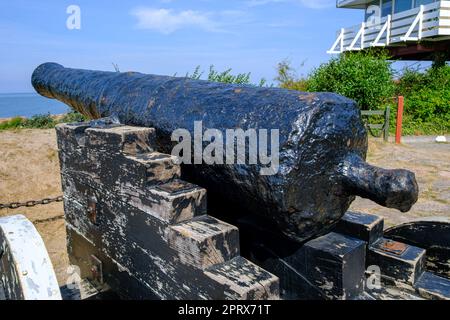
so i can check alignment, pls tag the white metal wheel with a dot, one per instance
(26, 272)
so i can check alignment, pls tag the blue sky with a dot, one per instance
(167, 36)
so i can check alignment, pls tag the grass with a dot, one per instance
(41, 121)
(73, 116)
(411, 126)
(14, 123)
(52, 155)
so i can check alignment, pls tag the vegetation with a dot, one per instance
(41, 121)
(73, 116)
(288, 79)
(224, 76)
(14, 123)
(367, 78)
(363, 77)
(427, 100)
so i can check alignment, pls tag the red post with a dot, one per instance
(398, 131)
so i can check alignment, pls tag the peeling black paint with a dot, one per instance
(153, 238)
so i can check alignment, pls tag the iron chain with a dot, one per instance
(30, 203)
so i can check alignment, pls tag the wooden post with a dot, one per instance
(387, 115)
(398, 132)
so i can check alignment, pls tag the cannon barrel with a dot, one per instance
(322, 142)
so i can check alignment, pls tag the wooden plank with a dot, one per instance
(204, 242)
(151, 237)
(146, 179)
(372, 112)
(404, 267)
(335, 263)
(433, 287)
(444, 31)
(361, 226)
(387, 116)
(377, 126)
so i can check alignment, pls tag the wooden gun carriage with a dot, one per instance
(139, 224)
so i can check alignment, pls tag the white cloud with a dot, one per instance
(167, 21)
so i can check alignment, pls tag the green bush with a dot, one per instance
(427, 100)
(37, 121)
(368, 79)
(14, 123)
(365, 77)
(40, 121)
(73, 116)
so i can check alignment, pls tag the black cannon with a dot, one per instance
(323, 142)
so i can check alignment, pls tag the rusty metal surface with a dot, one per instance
(96, 269)
(323, 143)
(394, 247)
(30, 203)
(432, 234)
(92, 210)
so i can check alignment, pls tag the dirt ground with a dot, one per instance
(29, 170)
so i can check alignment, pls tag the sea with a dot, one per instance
(28, 105)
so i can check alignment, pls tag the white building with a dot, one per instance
(408, 29)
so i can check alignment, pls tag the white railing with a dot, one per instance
(426, 21)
